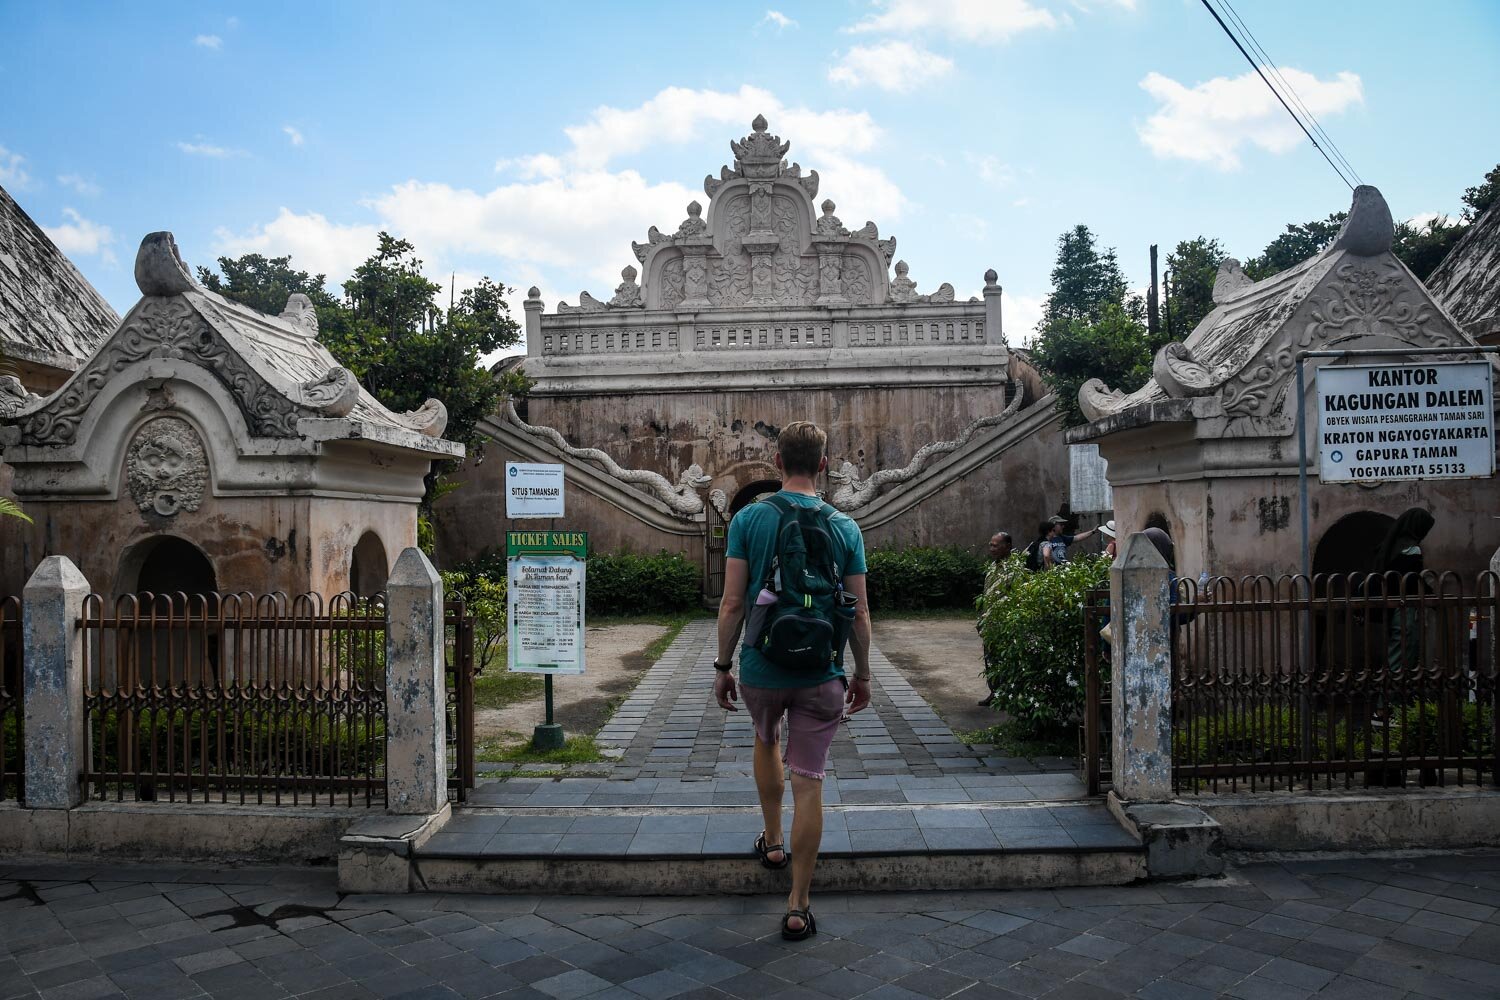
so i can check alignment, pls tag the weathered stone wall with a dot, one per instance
(732, 434)
(1255, 527)
(253, 543)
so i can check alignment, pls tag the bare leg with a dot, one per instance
(771, 784)
(807, 834)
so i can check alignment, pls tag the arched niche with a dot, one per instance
(368, 568)
(1348, 546)
(747, 495)
(175, 586)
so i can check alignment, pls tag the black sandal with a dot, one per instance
(808, 929)
(764, 850)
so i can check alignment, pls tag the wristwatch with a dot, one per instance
(723, 668)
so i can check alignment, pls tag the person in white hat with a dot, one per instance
(1107, 529)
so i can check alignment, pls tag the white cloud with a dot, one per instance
(1019, 315)
(779, 20)
(204, 148)
(79, 184)
(12, 174)
(1209, 122)
(314, 244)
(893, 66)
(980, 21)
(80, 236)
(990, 168)
(293, 134)
(569, 213)
(209, 42)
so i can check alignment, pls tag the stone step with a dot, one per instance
(685, 850)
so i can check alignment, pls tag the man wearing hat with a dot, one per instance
(1056, 552)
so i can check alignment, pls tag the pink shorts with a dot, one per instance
(813, 716)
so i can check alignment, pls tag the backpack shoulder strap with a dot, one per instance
(778, 501)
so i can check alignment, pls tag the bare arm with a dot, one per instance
(859, 638)
(732, 607)
(731, 617)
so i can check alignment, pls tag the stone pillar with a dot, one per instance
(994, 331)
(830, 272)
(694, 272)
(1141, 704)
(762, 249)
(52, 688)
(533, 307)
(416, 732)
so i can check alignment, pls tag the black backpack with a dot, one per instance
(807, 627)
(1034, 556)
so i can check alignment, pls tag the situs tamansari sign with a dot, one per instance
(1385, 423)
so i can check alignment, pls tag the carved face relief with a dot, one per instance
(166, 467)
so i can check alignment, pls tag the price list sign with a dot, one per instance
(545, 601)
(1387, 423)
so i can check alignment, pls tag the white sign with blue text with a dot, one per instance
(533, 490)
(1386, 423)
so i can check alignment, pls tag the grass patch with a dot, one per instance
(499, 688)
(576, 750)
(1014, 739)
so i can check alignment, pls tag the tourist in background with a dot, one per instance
(1058, 542)
(1001, 547)
(1107, 529)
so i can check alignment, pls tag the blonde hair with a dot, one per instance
(801, 445)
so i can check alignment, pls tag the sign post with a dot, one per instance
(545, 610)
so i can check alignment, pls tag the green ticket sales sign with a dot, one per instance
(545, 600)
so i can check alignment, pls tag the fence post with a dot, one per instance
(416, 739)
(1141, 710)
(52, 689)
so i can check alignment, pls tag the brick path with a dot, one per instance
(1372, 929)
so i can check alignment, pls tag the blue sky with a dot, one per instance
(531, 143)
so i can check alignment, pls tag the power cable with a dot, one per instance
(1286, 86)
(1256, 66)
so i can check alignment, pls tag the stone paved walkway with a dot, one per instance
(1371, 929)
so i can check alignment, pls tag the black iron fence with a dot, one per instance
(1334, 682)
(235, 697)
(458, 627)
(12, 736)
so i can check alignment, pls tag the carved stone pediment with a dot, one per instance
(761, 243)
(166, 467)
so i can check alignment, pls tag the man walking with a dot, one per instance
(812, 697)
(1001, 546)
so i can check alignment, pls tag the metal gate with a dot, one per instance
(459, 624)
(1096, 715)
(715, 540)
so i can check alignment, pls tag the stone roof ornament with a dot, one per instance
(828, 223)
(1237, 365)
(904, 289)
(759, 156)
(1231, 280)
(627, 292)
(300, 312)
(693, 225)
(159, 269)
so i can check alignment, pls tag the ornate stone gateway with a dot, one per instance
(758, 310)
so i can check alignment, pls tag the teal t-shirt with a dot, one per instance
(752, 537)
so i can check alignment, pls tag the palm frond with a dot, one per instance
(9, 508)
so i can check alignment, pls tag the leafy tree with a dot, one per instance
(1423, 247)
(1194, 266)
(1115, 348)
(265, 283)
(1294, 246)
(1084, 280)
(1480, 197)
(389, 331)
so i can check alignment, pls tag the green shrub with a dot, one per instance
(1032, 627)
(631, 584)
(485, 598)
(920, 579)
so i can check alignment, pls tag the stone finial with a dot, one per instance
(534, 293)
(991, 278)
(828, 206)
(693, 225)
(159, 269)
(628, 273)
(902, 268)
(1230, 281)
(759, 124)
(1369, 230)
